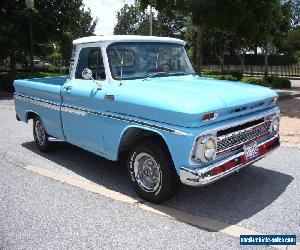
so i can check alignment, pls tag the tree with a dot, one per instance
(290, 44)
(247, 23)
(219, 43)
(13, 20)
(54, 21)
(170, 25)
(131, 20)
(205, 15)
(258, 25)
(190, 37)
(250, 23)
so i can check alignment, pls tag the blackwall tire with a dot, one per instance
(40, 136)
(151, 171)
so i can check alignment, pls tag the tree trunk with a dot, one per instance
(199, 50)
(266, 68)
(221, 57)
(12, 63)
(242, 55)
(242, 65)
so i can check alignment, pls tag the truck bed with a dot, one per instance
(41, 96)
(49, 80)
(47, 88)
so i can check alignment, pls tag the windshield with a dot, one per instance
(141, 60)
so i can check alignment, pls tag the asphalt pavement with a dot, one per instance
(38, 212)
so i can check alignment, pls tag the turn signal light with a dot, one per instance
(209, 116)
(274, 100)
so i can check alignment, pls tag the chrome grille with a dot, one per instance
(238, 138)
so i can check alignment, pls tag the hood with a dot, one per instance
(182, 100)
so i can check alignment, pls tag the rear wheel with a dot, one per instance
(151, 171)
(40, 136)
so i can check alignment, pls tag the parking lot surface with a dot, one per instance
(70, 198)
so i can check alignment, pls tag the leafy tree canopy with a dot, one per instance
(54, 21)
(131, 20)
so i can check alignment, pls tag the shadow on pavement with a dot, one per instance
(231, 200)
(6, 98)
(290, 106)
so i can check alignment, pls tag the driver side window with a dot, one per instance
(91, 58)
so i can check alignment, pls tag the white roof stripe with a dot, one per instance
(127, 38)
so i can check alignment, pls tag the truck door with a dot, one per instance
(82, 103)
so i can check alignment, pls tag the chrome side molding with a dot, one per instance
(84, 112)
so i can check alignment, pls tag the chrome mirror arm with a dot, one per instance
(87, 74)
(122, 62)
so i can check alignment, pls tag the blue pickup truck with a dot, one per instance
(137, 99)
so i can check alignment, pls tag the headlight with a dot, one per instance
(206, 148)
(210, 149)
(274, 128)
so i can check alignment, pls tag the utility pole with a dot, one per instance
(31, 40)
(151, 20)
(30, 5)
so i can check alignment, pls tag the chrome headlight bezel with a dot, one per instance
(275, 122)
(203, 145)
(274, 127)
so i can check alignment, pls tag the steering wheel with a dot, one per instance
(165, 67)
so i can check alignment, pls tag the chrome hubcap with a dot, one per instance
(40, 132)
(146, 171)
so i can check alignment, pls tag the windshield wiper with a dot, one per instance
(164, 73)
(181, 73)
(156, 74)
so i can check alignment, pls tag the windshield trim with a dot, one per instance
(145, 43)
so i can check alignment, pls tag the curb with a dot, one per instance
(285, 97)
(287, 93)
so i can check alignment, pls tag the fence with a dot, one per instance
(289, 71)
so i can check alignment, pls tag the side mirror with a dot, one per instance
(87, 74)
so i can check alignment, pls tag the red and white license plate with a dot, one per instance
(251, 151)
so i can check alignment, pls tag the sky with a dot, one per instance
(106, 11)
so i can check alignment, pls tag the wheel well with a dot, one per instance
(31, 115)
(135, 135)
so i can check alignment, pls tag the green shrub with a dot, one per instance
(254, 80)
(211, 72)
(236, 74)
(222, 77)
(279, 82)
(272, 81)
(6, 82)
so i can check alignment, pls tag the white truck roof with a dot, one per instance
(127, 38)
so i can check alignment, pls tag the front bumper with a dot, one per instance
(198, 177)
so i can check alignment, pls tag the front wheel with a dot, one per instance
(40, 136)
(151, 172)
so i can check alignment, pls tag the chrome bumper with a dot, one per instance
(198, 177)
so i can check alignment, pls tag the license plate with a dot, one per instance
(251, 150)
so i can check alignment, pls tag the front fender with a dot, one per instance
(179, 145)
(115, 141)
